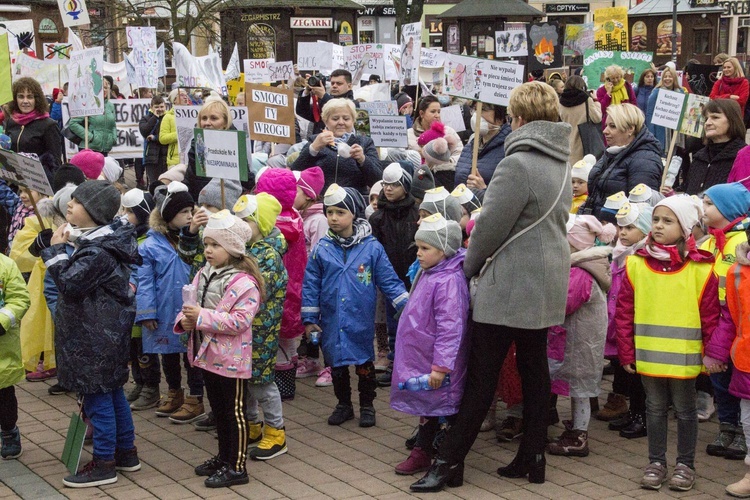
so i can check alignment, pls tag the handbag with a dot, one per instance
(71, 136)
(285, 376)
(591, 135)
(474, 281)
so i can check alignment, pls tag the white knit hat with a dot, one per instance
(229, 231)
(582, 168)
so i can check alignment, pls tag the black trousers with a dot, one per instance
(629, 384)
(8, 408)
(367, 383)
(227, 398)
(173, 373)
(489, 345)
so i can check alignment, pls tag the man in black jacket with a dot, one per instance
(154, 153)
(310, 103)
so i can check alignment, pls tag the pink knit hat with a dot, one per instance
(437, 129)
(584, 229)
(90, 162)
(311, 182)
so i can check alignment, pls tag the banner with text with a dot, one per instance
(365, 58)
(485, 80)
(24, 172)
(273, 113)
(186, 119)
(50, 75)
(388, 131)
(596, 61)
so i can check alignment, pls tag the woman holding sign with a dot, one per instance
(27, 121)
(347, 159)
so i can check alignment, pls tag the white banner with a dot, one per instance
(57, 52)
(146, 64)
(161, 58)
(194, 72)
(483, 80)
(411, 43)
(141, 37)
(453, 117)
(233, 67)
(392, 60)
(511, 43)
(49, 74)
(119, 74)
(19, 33)
(320, 56)
(431, 58)
(86, 89)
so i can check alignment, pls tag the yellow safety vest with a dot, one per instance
(724, 260)
(668, 338)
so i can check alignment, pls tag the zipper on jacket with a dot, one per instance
(18, 141)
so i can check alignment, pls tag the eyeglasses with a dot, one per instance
(392, 185)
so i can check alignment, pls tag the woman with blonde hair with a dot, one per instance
(215, 115)
(616, 90)
(732, 84)
(669, 81)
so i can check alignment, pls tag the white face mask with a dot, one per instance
(484, 126)
(73, 233)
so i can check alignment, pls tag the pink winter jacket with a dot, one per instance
(316, 225)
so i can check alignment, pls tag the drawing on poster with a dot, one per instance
(86, 95)
(511, 43)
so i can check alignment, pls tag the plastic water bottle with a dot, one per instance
(673, 170)
(4, 139)
(315, 338)
(421, 383)
(189, 295)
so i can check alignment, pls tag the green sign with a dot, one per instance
(221, 153)
(596, 61)
(71, 454)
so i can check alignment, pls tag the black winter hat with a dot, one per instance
(100, 199)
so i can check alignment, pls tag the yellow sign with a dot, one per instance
(611, 29)
(346, 34)
(6, 95)
(236, 86)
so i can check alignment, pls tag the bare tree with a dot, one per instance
(407, 11)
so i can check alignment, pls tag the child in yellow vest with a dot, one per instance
(666, 308)
(580, 176)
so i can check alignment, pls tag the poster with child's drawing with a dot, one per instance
(545, 47)
(20, 36)
(692, 116)
(411, 43)
(463, 76)
(511, 43)
(86, 89)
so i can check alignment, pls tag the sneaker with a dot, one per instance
(616, 407)
(654, 476)
(683, 478)
(226, 477)
(511, 428)
(723, 439)
(705, 406)
(489, 421)
(367, 416)
(209, 467)
(148, 398)
(170, 404)
(382, 362)
(271, 446)
(324, 378)
(619, 424)
(255, 435)
(308, 368)
(384, 379)
(56, 390)
(95, 473)
(41, 375)
(206, 424)
(418, 461)
(133, 394)
(127, 460)
(737, 450)
(573, 443)
(341, 414)
(11, 444)
(192, 409)
(740, 489)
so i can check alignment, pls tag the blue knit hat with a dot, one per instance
(732, 200)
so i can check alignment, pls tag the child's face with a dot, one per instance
(580, 187)
(374, 201)
(215, 254)
(26, 199)
(130, 215)
(711, 215)
(77, 216)
(393, 191)
(340, 221)
(423, 214)
(182, 219)
(665, 228)
(428, 255)
(630, 235)
(301, 199)
(210, 208)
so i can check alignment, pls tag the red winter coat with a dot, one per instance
(726, 87)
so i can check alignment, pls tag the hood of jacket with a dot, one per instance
(277, 241)
(47, 210)
(550, 138)
(741, 253)
(117, 238)
(451, 264)
(157, 222)
(314, 209)
(595, 261)
(279, 183)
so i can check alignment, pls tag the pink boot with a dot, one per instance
(418, 461)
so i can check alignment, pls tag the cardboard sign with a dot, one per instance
(511, 43)
(319, 56)
(272, 110)
(483, 80)
(380, 108)
(578, 39)
(545, 50)
(668, 108)
(411, 43)
(692, 116)
(596, 61)
(20, 36)
(388, 131)
(86, 88)
(24, 172)
(73, 13)
(221, 153)
(146, 65)
(611, 29)
(257, 70)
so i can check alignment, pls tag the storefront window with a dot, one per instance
(701, 41)
(482, 41)
(724, 35)
(366, 37)
(742, 41)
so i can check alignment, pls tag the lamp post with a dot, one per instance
(674, 31)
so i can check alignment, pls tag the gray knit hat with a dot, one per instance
(100, 199)
(439, 200)
(211, 194)
(442, 234)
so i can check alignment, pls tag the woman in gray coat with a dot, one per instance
(523, 290)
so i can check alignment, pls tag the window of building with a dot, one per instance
(701, 41)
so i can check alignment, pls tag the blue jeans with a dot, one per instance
(681, 393)
(112, 421)
(727, 405)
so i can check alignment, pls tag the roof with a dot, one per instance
(292, 4)
(491, 8)
(662, 7)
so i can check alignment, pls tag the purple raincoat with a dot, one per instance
(432, 334)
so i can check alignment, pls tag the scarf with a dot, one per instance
(730, 80)
(720, 235)
(24, 119)
(669, 252)
(573, 97)
(619, 93)
(315, 108)
(18, 220)
(362, 230)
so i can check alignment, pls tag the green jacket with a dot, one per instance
(14, 301)
(102, 129)
(168, 136)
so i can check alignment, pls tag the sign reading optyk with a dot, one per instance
(273, 110)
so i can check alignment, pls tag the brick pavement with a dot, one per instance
(335, 462)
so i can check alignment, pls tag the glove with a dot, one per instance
(43, 240)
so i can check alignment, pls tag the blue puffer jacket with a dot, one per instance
(487, 160)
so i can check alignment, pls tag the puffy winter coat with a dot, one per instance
(394, 224)
(316, 225)
(168, 137)
(432, 335)
(154, 153)
(711, 165)
(39, 136)
(95, 308)
(640, 162)
(339, 295)
(102, 129)
(487, 159)
(14, 301)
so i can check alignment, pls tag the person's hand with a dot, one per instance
(666, 191)
(475, 182)
(630, 368)
(357, 153)
(60, 235)
(187, 324)
(713, 365)
(151, 324)
(318, 91)
(191, 312)
(436, 379)
(311, 327)
(608, 87)
(150, 138)
(323, 139)
(199, 220)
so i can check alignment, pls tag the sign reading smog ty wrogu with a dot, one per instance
(273, 112)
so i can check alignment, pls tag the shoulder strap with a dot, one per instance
(587, 110)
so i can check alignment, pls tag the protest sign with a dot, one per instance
(453, 117)
(380, 108)
(411, 43)
(692, 116)
(24, 171)
(364, 58)
(311, 56)
(272, 109)
(233, 70)
(73, 12)
(388, 131)
(545, 49)
(391, 61)
(119, 74)
(596, 61)
(161, 60)
(578, 39)
(221, 153)
(281, 71)
(49, 74)
(144, 56)
(86, 88)
(668, 108)
(257, 70)
(20, 36)
(702, 77)
(58, 52)
(236, 87)
(186, 119)
(6, 82)
(611, 29)
(483, 80)
(431, 58)
(511, 43)
(144, 37)
(198, 72)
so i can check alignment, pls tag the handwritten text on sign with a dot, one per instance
(668, 109)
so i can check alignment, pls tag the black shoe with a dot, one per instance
(127, 460)
(441, 474)
(226, 477)
(95, 473)
(411, 442)
(207, 424)
(341, 414)
(518, 468)
(56, 390)
(636, 429)
(384, 379)
(366, 416)
(209, 467)
(620, 423)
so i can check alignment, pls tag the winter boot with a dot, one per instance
(367, 416)
(271, 446)
(636, 429)
(256, 434)
(192, 409)
(11, 444)
(619, 424)
(616, 407)
(341, 414)
(171, 403)
(725, 437)
(148, 398)
(419, 461)
(737, 449)
(96, 473)
(572, 443)
(740, 489)
(127, 460)
(134, 393)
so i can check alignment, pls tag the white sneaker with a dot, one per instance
(705, 406)
(324, 378)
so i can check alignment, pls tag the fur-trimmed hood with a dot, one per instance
(741, 253)
(157, 222)
(47, 209)
(595, 261)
